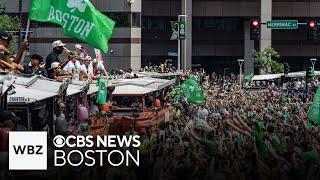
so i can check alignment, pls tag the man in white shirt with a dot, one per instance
(73, 63)
(81, 51)
(86, 67)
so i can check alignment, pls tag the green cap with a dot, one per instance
(73, 53)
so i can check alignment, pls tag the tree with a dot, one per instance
(8, 23)
(264, 60)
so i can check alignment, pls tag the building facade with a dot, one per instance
(221, 31)
(217, 34)
(124, 47)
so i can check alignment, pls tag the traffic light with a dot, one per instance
(286, 68)
(313, 33)
(255, 30)
(309, 73)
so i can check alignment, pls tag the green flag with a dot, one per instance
(78, 19)
(102, 90)
(314, 110)
(193, 91)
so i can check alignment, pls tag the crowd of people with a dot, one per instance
(79, 65)
(235, 134)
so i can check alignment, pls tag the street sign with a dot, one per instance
(182, 29)
(282, 24)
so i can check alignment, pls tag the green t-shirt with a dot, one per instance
(208, 147)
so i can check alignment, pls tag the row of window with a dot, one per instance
(122, 19)
(212, 23)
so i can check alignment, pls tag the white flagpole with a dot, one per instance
(27, 30)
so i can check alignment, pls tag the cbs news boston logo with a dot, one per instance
(27, 150)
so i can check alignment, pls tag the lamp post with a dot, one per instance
(313, 62)
(240, 62)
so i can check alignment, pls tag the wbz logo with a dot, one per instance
(27, 150)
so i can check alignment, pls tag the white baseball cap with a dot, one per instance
(88, 58)
(55, 65)
(57, 43)
(81, 56)
(77, 46)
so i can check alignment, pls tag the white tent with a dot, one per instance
(275, 76)
(27, 96)
(131, 90)
(266, 77)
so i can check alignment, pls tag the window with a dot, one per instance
(217, 24)
(155, 23)
(122, 19)
(135, 20)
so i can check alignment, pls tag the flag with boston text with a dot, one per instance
(78, 19)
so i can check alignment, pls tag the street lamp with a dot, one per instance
(240, 62)
(313, 62)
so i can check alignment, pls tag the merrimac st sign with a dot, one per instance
(282, 24)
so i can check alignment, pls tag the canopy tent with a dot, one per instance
(74, 89)
(157, 75)
(46, 85)
(275, 76)
(25, 81)
(93, 88)
(148, 82)
(266, 77)
(158, 83)
(131, 90)
(301, 74)
(5, 83)
(23, 95)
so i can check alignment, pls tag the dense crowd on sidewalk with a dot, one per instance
(236, 134)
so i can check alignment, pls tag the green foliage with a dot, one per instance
(8, 23)
(2, 4)
(276, 67)
(265, 60)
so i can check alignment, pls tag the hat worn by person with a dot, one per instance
(73, 54)
(88, 58)
(58, 43)
(55, 65)
(78, 46)
(7, 115)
